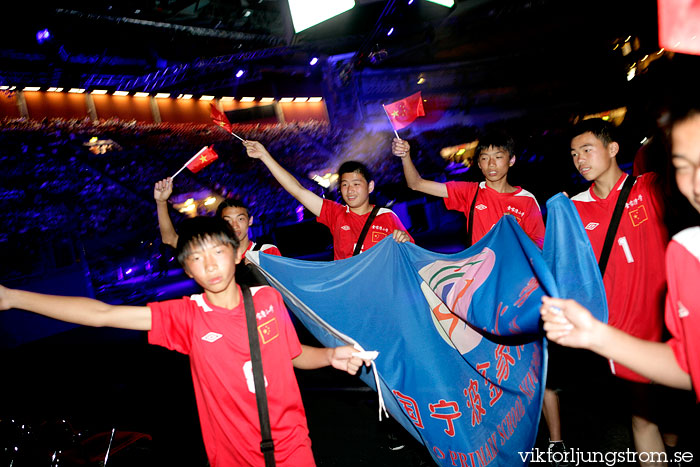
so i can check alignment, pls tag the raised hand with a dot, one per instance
(163, 189)
(400, 148)
(255, 149)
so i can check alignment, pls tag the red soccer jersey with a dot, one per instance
(492, 205)
(635, 282)
(216, 340)
(346, 227)
(265, 248)
(683, 301)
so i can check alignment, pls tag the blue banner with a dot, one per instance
(461, 357)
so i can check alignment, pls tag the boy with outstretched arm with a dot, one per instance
(211, 329)
(345, 222)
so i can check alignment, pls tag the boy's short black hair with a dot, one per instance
(604, 131)
(496, 139)
(354, 166)
(231, 203)
(197, 230)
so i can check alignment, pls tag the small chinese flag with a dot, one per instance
(402, 113)
(203, 158)
(220, 119)
(679, 24)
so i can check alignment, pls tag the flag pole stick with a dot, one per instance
(234, 134)
(392, 125)
(189, 161)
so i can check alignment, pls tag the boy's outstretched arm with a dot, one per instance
(78, 310)
(341, 358)
(309, 199)
(402, 149)
(570, 324)
(161, 192)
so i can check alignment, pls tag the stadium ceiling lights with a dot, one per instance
(162, 95)
(52, 89)
(446, 3)
(287, 99)
(206, 98)
(185, 96)
(99, 91)
(247, 99)
(31, 88)
(141, 94)
(267, 99)
(121, 93)
(307, 13)
(76, 90)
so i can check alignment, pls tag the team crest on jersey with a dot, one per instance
(269, 330)
(212, 337)
(638, 215)
(480, 207)
(592, 225)
(345, 227)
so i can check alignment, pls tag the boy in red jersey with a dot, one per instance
(675, 363)
(634, 278)
(345, 222)
(494, 196)
(491, 199)
(211, 329)
(232, 211)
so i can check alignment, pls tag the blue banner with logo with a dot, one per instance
(461, 357)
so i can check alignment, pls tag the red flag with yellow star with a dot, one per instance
(220, 119)
(203, 158)
(402, 113)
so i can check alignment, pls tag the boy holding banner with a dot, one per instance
(630, 254)
(347, 223)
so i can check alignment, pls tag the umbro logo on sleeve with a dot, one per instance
(592, 225)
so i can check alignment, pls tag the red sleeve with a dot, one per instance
(460, 195)
(534, 226)
(329, 212)
(171, 325)
(652, 186)
(270, 250)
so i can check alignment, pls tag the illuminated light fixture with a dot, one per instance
(287, 99)
(628, 38)
(121, 93)
(307, 13)
(446, 3)
(43, 35)
(141, 94)
(247, 99)
(54, 89)
(461, 151)
(189, 201)
(645, 57)
(162, 95)
(421, 80)
(301, 99)
(313, 61)
(240, 73)
(209, 201)
(76, 90)
(644, 140)
(4, 88)
(247, 13)
(267, 99)
(187, 208)
(185, 96)
(410, 2)
(661, 51)
(93, 139)
(616, 46)
(99, 91)
(206, 98)
(31, 88)
(315, 99)
(631, 73)
(390, 32)
(227, 99)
